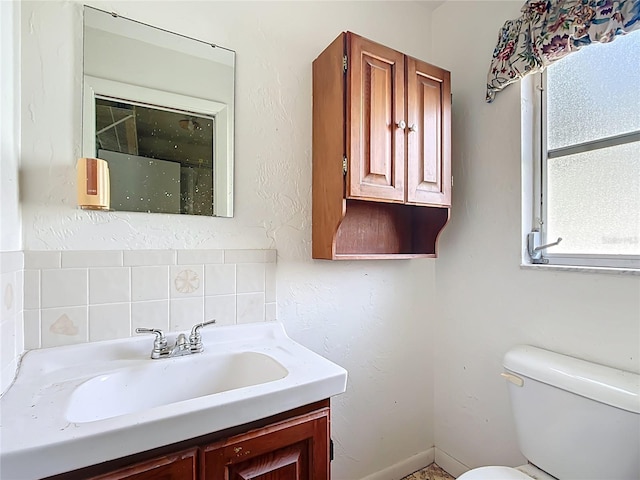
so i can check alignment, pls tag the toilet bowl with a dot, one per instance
(575, 420)
(524, 472)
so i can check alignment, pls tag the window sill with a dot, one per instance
(582, 269)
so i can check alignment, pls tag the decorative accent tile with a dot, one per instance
(220, 279)
(141, 258)
(153, 314)
(250, 278)
(222, 308)
(109, 285)
(187, 281)
(8, 294)
(149, 283)
(32, 289)
(184, 313)
(64, 287)
(44, 259)
(194, 257)
(109, 321)
(249, 307)
(249, 256)
(63, 326)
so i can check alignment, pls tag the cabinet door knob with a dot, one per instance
(401, 124)
(413, 128)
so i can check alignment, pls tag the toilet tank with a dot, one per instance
(575, 419)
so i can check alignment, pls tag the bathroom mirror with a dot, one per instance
(159, 108)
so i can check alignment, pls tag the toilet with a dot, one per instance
(575, 420)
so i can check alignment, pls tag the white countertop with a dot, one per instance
(37, 440)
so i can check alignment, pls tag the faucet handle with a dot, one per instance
(195, 339)
(160, 342)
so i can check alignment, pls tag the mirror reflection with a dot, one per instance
(158, 107)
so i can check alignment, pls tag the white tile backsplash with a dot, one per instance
(222, 308)
(220, 279)
(101, 258)
(192, 257)
(154, 314)
(184, 313)
(250, 307)
(109, 321)
(31, 289)
(150, 283)
(64, 287)
(38, 260)
(109, 285)
(140, 258)
(32, 329)
(250, 278)
(270, 313)
(67, 297)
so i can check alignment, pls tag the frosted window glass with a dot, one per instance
(603, 78)
(593, 201)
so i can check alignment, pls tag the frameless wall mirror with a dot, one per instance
(158, 107)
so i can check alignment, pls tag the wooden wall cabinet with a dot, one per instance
(381, 152)
(290, 446)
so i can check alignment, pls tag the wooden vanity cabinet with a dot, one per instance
(290, 446)
(381, 152)
(295, 449)
(182, 465)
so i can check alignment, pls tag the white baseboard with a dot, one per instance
(405, 467)
(449, 464)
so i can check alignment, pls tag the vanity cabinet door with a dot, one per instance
(177, 466)
(295, 449)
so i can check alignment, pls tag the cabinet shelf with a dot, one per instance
(377, 230)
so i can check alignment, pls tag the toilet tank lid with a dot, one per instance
(611, 386)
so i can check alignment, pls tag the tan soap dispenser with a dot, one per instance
(94, 190)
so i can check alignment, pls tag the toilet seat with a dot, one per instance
(524, 472)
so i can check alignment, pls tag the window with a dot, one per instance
(587, 190)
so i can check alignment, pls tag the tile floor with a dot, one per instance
(432, 472)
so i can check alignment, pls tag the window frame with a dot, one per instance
(534, 187)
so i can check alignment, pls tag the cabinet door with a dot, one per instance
(296, 449)
(179, 466)
(375, 133)
(429, 134)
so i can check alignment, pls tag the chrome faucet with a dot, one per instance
(182, 346)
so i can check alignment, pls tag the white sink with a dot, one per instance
(165, 381)
(75, 406)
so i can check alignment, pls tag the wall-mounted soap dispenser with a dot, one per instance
(93, 184)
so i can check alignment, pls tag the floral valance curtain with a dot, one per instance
(550, 29)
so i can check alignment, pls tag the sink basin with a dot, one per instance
(166, 381)
(109, 400)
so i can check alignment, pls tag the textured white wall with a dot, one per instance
(9, 127)
(487, 303)
(373, 318)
